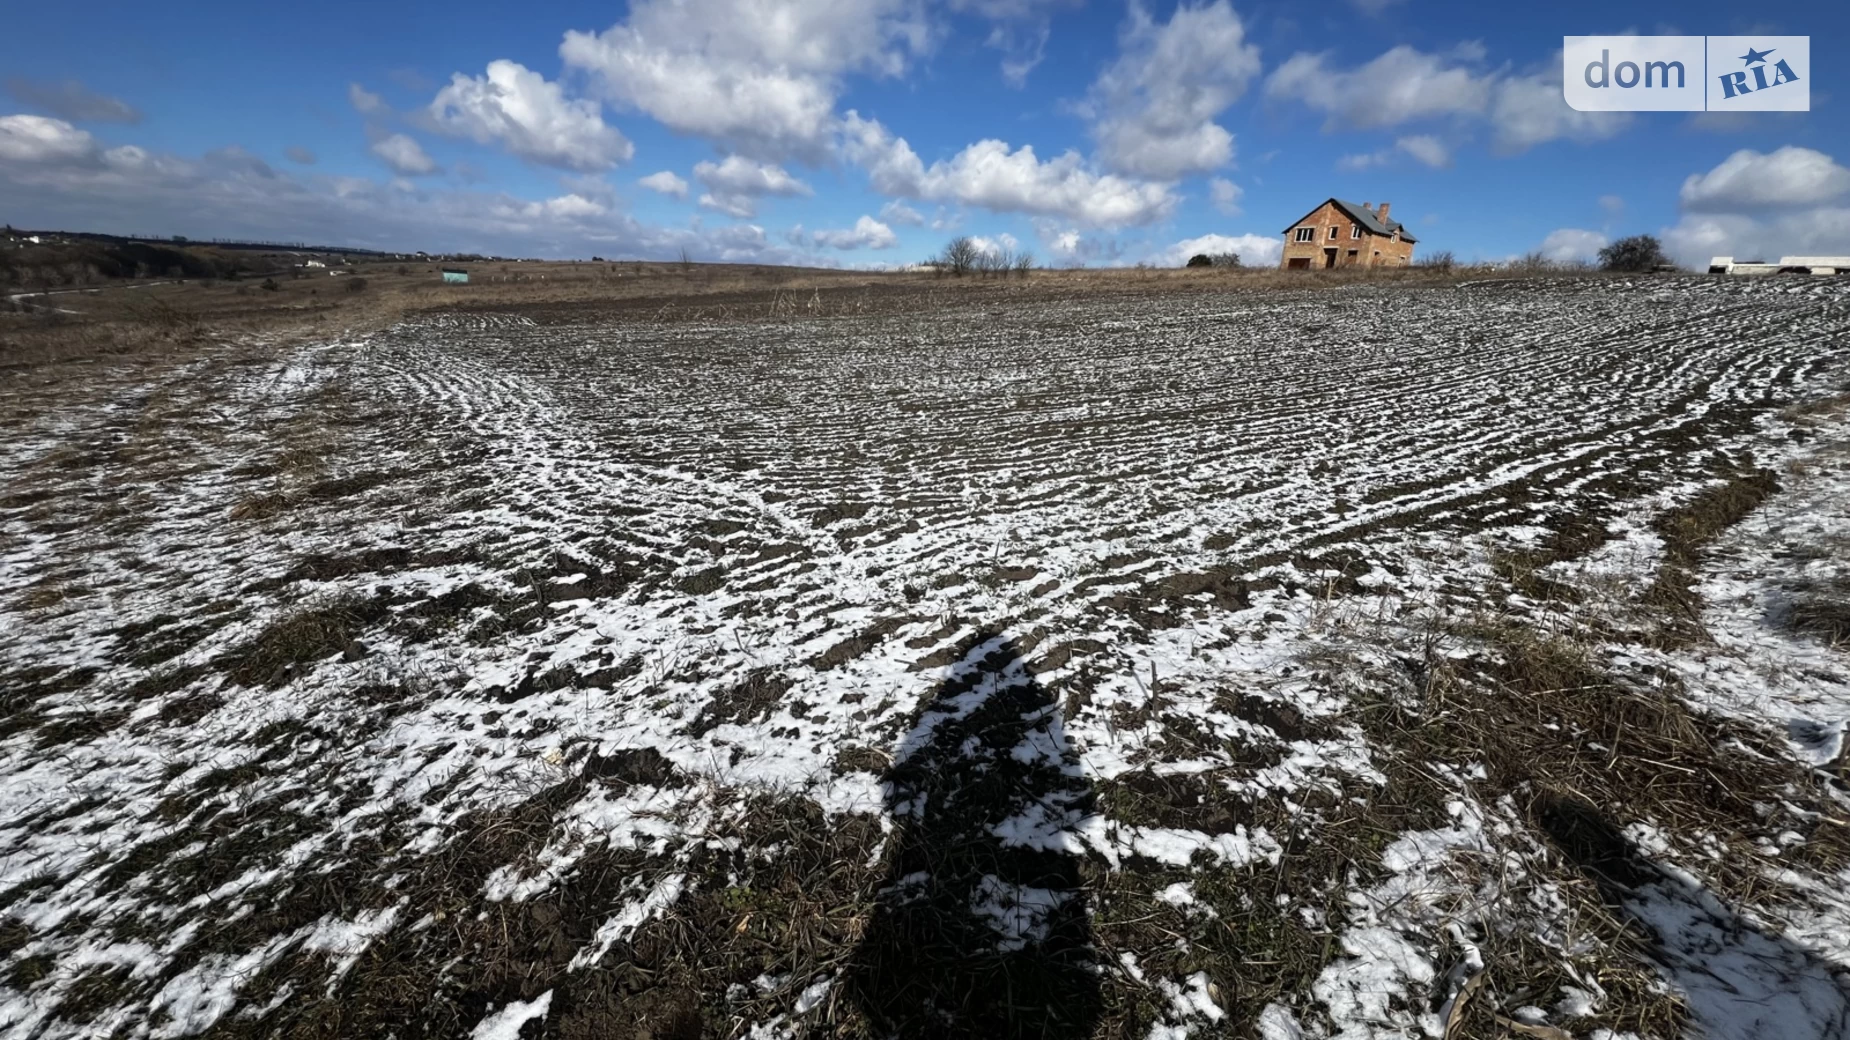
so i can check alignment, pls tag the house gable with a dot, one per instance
(1361, 215)
(1342, 234)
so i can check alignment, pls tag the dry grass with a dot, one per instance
(314, 631)
(1823, 611)
(1549, 726)
(1582, 749)
(1686, 531)
(1550, 720)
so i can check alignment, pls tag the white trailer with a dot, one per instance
(1786, 265)
(1815, 264)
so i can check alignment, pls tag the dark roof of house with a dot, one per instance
(1364, 217)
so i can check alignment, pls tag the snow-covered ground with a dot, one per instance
(286, 635)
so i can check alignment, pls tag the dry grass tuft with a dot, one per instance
(1547, 715)
(1546, 722)
(1822, 611)
(261, 507)
(316, 631)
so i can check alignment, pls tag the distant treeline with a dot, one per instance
(216, 243)
(90, 262)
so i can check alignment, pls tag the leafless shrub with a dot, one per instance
(1534, 262)
(995, 263)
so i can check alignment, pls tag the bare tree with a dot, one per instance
(960, 256)
(993, 262)
(1024, 262)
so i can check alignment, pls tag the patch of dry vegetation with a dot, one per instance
(1686, 531)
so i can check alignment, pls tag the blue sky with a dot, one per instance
(867, 132)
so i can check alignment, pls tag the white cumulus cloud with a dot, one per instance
(1791, 176)
(665, 182)
(1401, 84)
(735, 185)
(991, 175)
(1530, 110)
(1569, 245)
(1254, 250)
(1002, 243)
(520, 110)
(1154, 107)
(1405, 84)
(759, 77)
(26, 138)
(867, 233)
(404, 155)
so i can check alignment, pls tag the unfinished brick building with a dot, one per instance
(1343, 234)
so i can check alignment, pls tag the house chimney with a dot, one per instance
(1382, 212)
(1367, 205)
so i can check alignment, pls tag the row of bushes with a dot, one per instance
(1637, 254)
(963, 255)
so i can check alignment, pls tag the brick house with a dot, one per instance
(1343, 234)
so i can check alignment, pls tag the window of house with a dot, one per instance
(1355, 231)
(1332, 233)
(1306, 234)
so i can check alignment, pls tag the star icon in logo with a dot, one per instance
(1754, 57)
